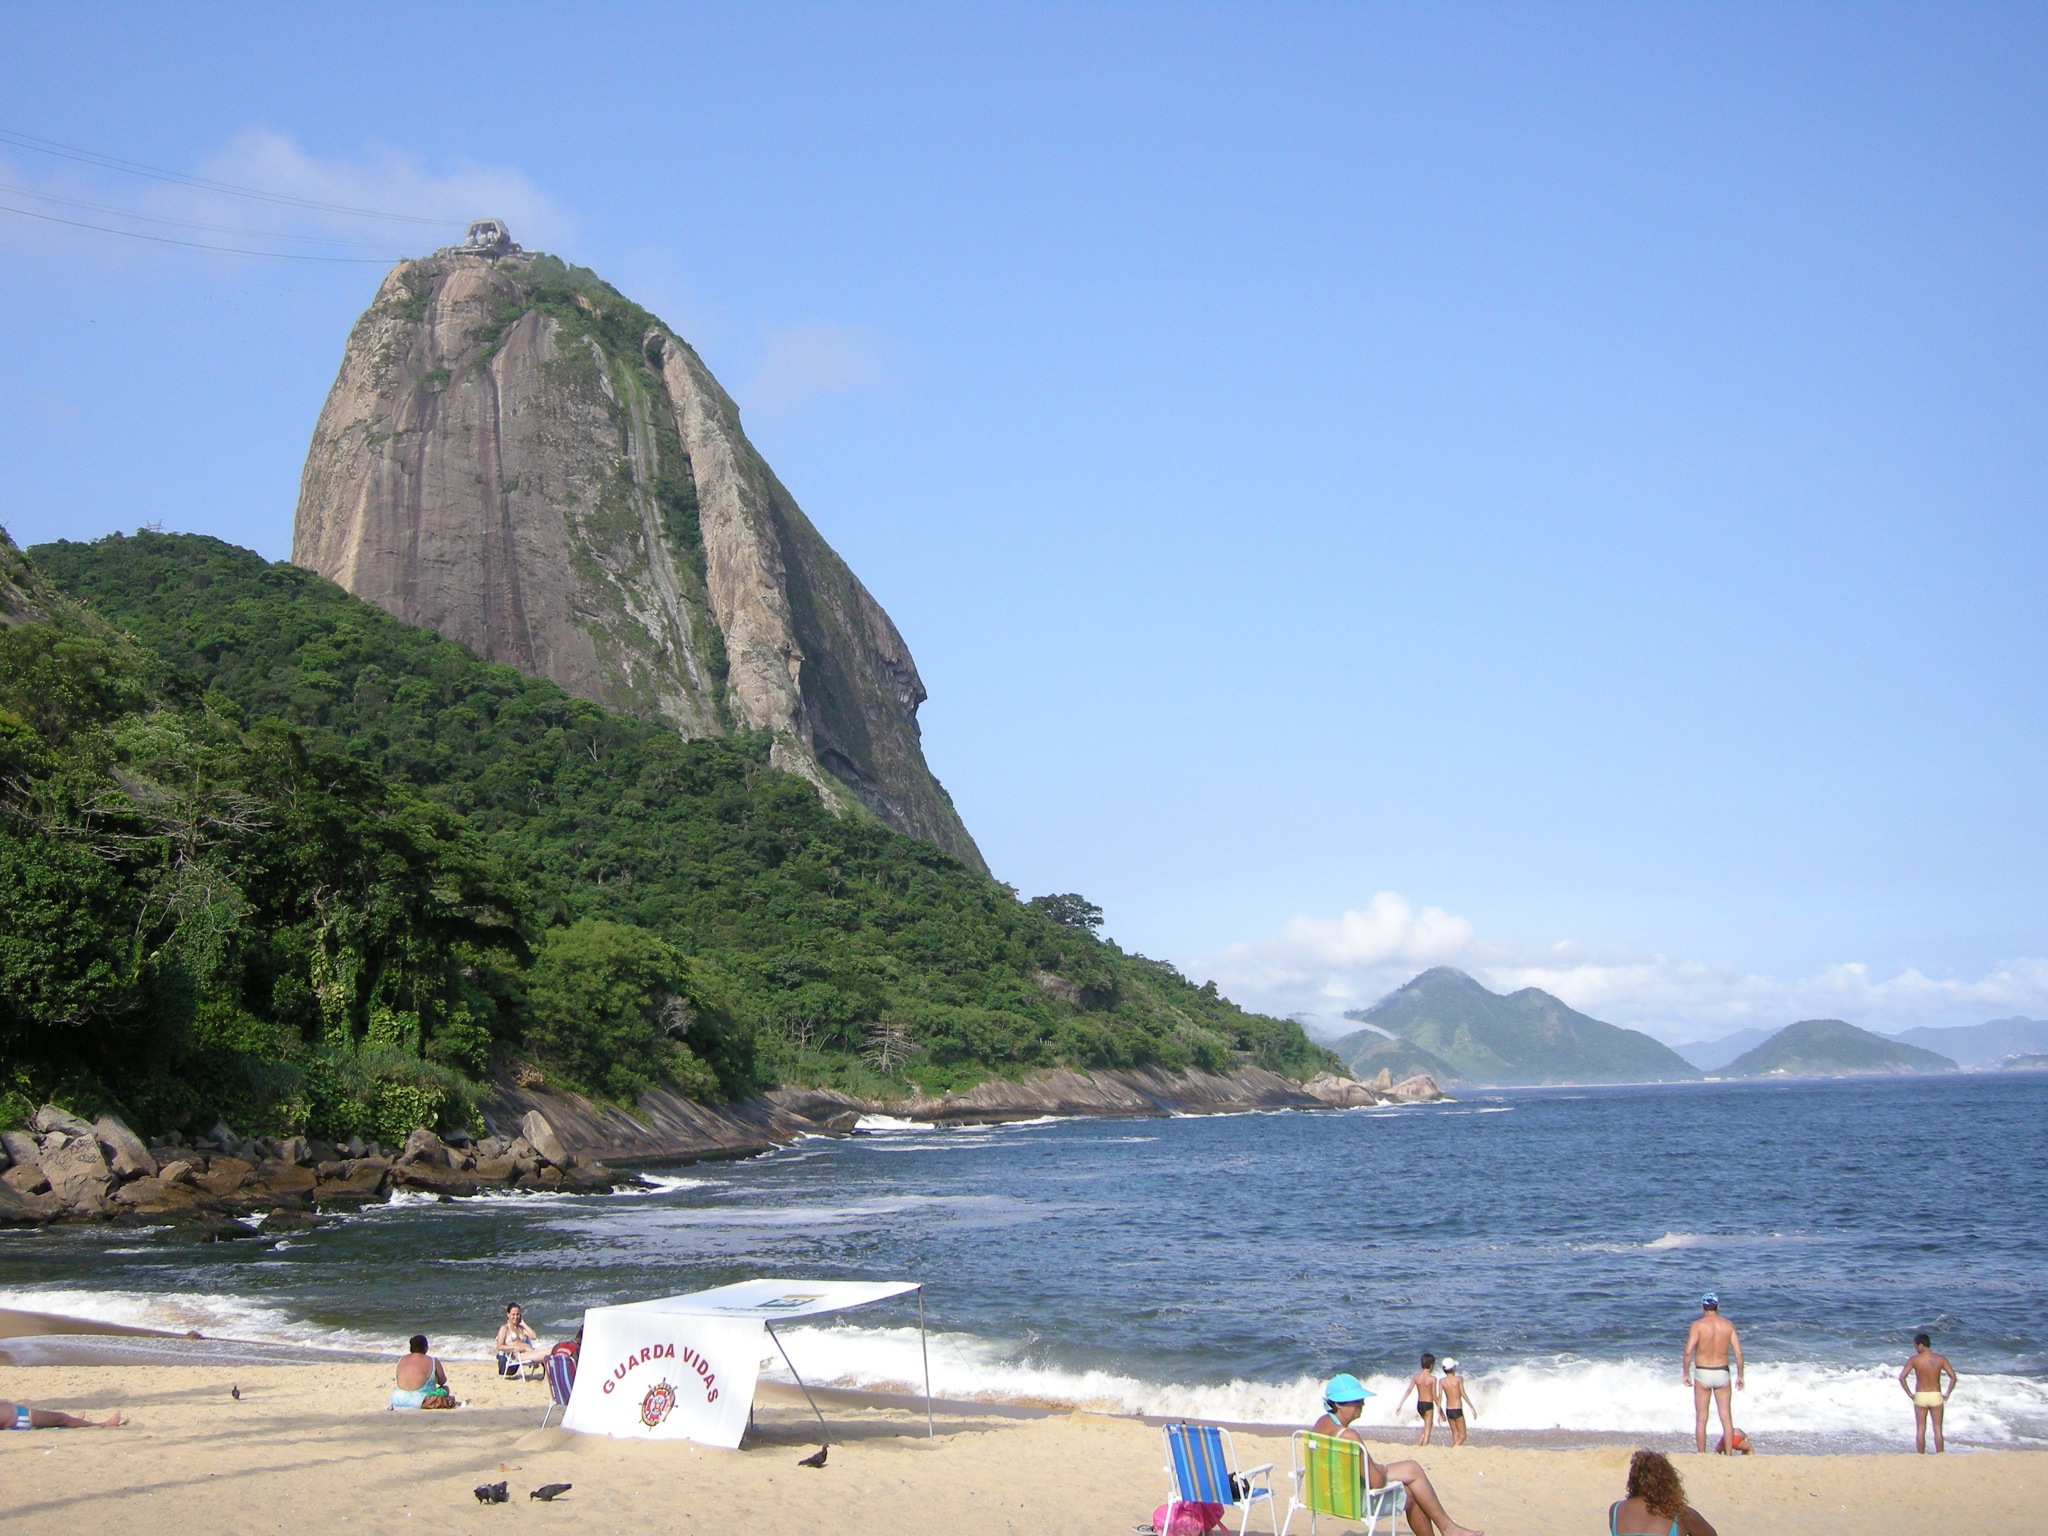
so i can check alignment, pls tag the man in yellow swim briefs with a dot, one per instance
(1926, 1368)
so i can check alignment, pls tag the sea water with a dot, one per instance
(1556, 1242)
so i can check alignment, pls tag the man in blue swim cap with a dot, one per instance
(1343, 1400)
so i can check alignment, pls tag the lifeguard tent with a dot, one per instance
(685, 1367)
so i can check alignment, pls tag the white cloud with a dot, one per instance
(799, 363)
(385, 181)
(1318, 967)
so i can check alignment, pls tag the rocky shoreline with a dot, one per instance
(66, 1169)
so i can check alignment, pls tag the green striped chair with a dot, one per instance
(1329, 1479)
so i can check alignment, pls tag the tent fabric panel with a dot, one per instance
(774, 1300)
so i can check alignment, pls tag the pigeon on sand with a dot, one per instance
(817, 1460)
(490, 1493)
(547, 1493)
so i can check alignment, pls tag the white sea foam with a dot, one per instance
(885, 1125)
(218, 1316)
(666, 1183)
(1807, 1403)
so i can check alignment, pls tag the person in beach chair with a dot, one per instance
(1343, 1401)
(21, 1416)
(518, 1346)
(1655, 1504)
(422, 1383)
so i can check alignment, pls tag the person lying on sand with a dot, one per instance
(1457, 1401)
(1423, 1385)
(517, 1344)
(1929, 1400)
(1655, 1505)
(421, 1381)
(21, 1416)
(1343, 1401)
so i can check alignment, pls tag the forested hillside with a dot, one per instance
(268, 852)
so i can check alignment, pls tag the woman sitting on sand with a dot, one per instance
(21, 1416)
(1343, 1401)
(1655, 1505)
(517, 1344)
(421, 1381)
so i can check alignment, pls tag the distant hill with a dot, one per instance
(1365, 1051)
(1713, 1055)
(2033, 1063)
(1527, 1037)
(1833, 1048)
(1983, 1045)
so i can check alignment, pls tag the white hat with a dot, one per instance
(1450, 1365)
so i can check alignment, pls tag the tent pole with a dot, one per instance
(799, 1380)
(925, 1349)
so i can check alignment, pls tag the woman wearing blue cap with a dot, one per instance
(1343, 1400)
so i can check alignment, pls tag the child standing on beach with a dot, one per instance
(1926, 1368)
(1457, 1402)
(1423, 1385)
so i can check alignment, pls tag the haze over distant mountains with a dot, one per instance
(1449, 1025)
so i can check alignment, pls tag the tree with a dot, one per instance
(1072, 909)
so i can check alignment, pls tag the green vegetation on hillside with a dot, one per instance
(1832, 1048)
(351, 862)
(1367, 1053)
(1526, 1037)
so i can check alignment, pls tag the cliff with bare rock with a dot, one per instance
(520, 458)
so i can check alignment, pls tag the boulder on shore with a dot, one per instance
(50, 1120)
(124, 1149)
(79, 1175)
(1341, 1092)
(22, 1149)
(26, 1179)
(541, 1136)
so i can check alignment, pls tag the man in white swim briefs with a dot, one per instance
(1708, 1346)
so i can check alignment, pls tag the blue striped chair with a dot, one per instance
(561, 1374)
(1201, 1468)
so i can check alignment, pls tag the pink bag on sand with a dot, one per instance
(1188, 1519)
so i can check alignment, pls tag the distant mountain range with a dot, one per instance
(1479, 1037)
(1832, 1048)
(1969, 1045)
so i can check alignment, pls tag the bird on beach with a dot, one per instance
(491, 1493)
(547, 1493)
(817, 1460)
(235, 1392)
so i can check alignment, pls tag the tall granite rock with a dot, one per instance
(517, 456)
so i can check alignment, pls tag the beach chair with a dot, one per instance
(560, 1371)
(1201, 1468)
(1329, 1479)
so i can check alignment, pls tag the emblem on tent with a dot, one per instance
(655, 1406)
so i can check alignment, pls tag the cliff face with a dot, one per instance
(518, 457)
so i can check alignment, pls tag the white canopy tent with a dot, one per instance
(685, 1367)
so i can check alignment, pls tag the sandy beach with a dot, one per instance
(309, 1448)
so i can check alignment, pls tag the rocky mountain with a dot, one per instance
(1832, 1048)
(519, 457)
(1523, 1038)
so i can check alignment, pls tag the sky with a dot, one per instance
(1554, 490)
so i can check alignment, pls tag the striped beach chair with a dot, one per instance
(1201, 1468)
(561, 1374)
(1329, 1479)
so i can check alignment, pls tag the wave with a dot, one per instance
(1794, 1403)
(224, 1317)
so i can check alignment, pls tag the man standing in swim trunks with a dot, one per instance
(1928, 1398)
(1705, 1368)
(1423, 1385)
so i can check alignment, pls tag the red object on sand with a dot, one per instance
(1742, 1445)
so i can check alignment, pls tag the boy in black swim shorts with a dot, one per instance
(1423, 1385)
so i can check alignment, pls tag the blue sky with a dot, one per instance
(1555, 490)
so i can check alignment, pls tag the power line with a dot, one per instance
(195, 245)
(156, 218)
(135, 168)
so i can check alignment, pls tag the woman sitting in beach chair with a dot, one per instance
(1655, 1505)
(518, 1346)
(1343, 1401)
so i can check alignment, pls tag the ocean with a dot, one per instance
(1555, 1241)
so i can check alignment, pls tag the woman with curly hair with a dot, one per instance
(1655, 1505)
